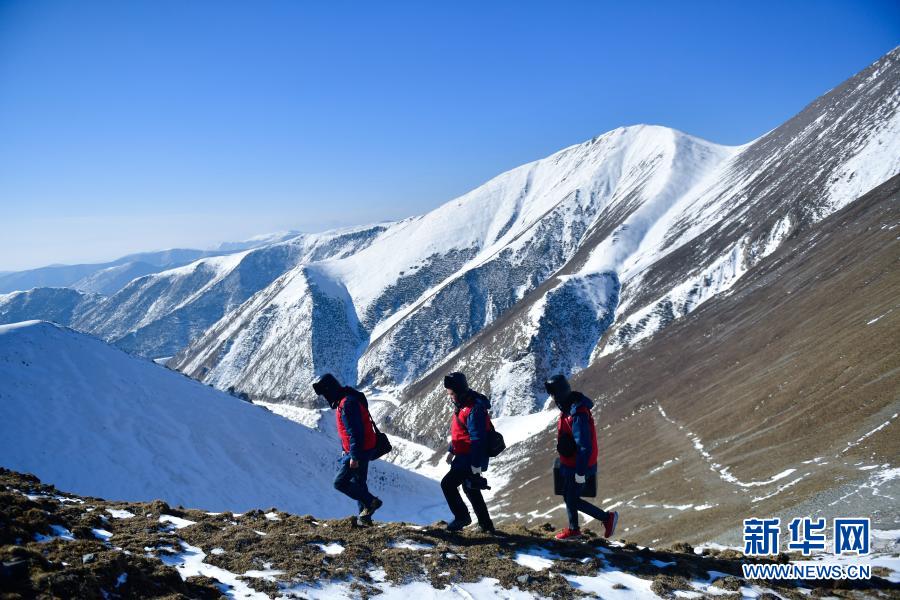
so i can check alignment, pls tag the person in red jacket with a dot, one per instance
(576, 443)
(467, 454)
(357, 433)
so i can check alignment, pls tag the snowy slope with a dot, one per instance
(98, 421)
(838, 148)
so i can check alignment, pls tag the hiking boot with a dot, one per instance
(364, 521)
(486, 528)
(368, 511)
(568, 534)
(609, 524)
(458, 524)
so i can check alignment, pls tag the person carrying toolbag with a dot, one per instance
(576, 444)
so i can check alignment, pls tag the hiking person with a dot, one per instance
(357, 432)
(467, 454)
(576, 443)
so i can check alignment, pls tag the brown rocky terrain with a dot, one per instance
(56, 545)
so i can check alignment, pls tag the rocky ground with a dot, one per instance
(57, 545)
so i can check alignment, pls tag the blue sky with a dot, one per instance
(130, 126)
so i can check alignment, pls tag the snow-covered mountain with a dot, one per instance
(639, 270)
(109, 277)
(258, 241)
(158, 315)
(60, 305)
(101, 278)
(556, 263)
(102, 422)
(387, 314)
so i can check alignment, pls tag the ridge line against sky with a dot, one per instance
(133, 126)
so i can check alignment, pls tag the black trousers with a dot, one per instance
(450, 485)
(352, 482)
(575, 504)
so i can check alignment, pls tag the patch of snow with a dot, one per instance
(189, 563)
(780, 489)
(869, 434)
(308, 417)
(724, 472)
(611, 585)
(886, 534)
(876, 161)
(58, 532)
(486, 589)
(663, 465)
(410, 545)
(536, 559)
(330, 548)
(267, 574)
(177, 522)
(520, 428)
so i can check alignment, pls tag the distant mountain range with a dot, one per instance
(109, 277)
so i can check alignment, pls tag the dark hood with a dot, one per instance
(573, 401)
(471, 397)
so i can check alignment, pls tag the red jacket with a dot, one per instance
(468, 428)
(578, 426)
(354, 425)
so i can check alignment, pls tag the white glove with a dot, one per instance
(449, 458)
(476, 470)
(580, 479)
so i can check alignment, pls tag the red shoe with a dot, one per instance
(568, 534)
(610, 524)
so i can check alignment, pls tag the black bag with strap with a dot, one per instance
(382, 443)
(495, 442)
